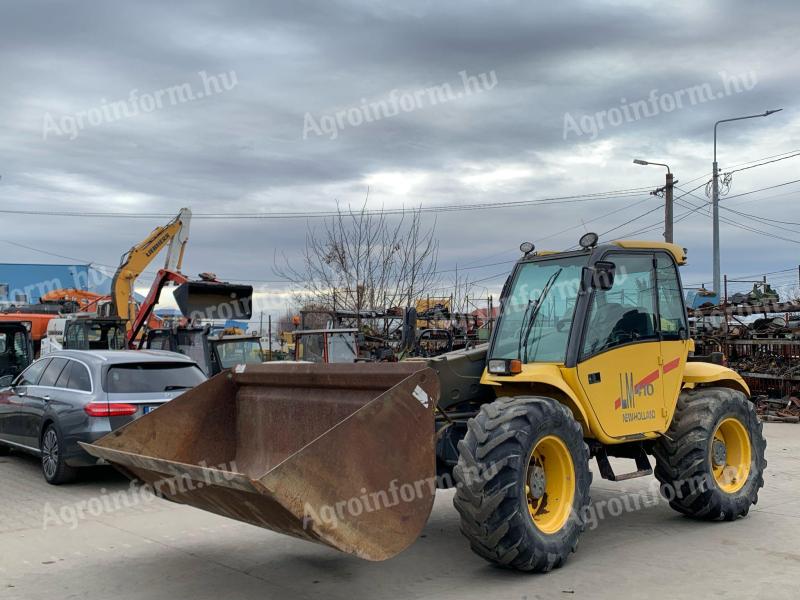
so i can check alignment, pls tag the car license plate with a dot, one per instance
(147, 409)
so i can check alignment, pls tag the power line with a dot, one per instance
(771, 187)
(791, 153)
(740, 225)
(764, 163)
(644, 215)
(608, 195)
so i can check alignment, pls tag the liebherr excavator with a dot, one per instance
(590, 358)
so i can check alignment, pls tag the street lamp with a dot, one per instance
(667, 197)
(715, 194)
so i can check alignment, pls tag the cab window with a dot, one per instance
(627, 312)
(672, 318)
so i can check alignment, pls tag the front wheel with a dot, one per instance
(711, 461)
(54, 467)
(522, 483)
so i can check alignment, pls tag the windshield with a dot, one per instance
(143, 378)
(309, 347)
(539, 331)
(238, 352)
(92, 335)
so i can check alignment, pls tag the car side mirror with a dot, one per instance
(6, 381)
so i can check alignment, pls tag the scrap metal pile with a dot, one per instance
(783, 410)
(768, 363)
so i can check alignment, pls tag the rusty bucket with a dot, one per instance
(214, 300)
(343, 455)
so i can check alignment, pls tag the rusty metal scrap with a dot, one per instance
(784, 410)
(767, 363)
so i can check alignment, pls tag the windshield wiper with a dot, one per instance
(537, 306)
(169, 388)
(522, 327)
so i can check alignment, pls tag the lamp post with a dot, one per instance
(667, 197)
(715, 193)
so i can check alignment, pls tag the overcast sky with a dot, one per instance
(550, 113)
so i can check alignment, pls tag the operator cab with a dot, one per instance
(609, 318)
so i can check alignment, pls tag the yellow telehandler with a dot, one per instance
(590, 358)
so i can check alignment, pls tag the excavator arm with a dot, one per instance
(145, 310)
(172, 236)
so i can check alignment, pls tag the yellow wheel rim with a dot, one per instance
(730, 455)
(550, 484)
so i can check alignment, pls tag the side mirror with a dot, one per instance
(603, 275)
(599, 277)
(6, 381)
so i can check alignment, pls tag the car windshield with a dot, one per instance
(537, 314)
(237, 352)
(143, 378)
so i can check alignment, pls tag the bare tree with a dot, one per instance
(364, 259)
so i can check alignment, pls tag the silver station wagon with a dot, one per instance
(73, 396)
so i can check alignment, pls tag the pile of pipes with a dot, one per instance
(783, 410)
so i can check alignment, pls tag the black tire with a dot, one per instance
(491, 483)
(4, 450)
(683, 457)
(54, 469)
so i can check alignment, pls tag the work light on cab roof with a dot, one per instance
(588, 240)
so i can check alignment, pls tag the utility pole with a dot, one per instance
(715, 195)
(667, 189)
(269, 335)
(668, 212)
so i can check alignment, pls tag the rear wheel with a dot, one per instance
(54, 468)
(522, 483)
(711, 461)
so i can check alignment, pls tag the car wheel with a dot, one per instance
(54, 468)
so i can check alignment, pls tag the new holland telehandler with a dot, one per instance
(590, 358)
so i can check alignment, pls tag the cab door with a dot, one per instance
(621, 355)
(674, 330)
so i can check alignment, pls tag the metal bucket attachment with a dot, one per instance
(342, 454)
(214, 300)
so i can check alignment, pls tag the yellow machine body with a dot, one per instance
(627, 392)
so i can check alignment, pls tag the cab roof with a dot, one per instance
(678, 252)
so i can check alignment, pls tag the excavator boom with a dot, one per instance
(173, 236)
